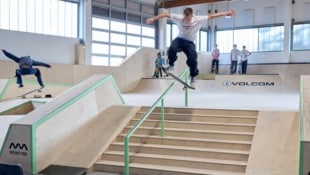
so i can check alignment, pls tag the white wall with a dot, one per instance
(49, 49)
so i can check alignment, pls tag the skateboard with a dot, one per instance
(180, 81)
(32, 91)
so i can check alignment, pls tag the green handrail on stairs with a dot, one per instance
(184, 74)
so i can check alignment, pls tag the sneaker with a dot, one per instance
(20, 86)
(169, 69)
(42, 86)
(192, 82)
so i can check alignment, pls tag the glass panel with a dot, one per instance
(133, 40)
(133, 6)
(148, 31)
(101, 11)
(31, 17)
(131, 50)
(224, 40)
(102, 61)
(148, 9)
(134, 29)
(246, 37)
(168, 35)
(100, 23)
(175, 31)
(13, 15)
(203, 41)
(118, 26)
(134, 18)
(4, 14)
(118, 38)
(118, 14)
(22, 16)
(271, 38)
(100, 36)
(118, 3)
(46, 17)
(148, 42)
(118, 50)
(100, 48)
(116, 61)
(301, 36)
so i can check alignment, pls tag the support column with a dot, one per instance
(288, 13)
(162, 23)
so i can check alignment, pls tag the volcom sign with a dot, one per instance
(228, 83)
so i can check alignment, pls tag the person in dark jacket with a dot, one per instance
(26, 67)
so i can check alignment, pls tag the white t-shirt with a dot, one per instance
(188, 30)
(244, 55)
(234, 54)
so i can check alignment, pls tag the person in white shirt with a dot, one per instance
(215, 59)
(188, 25)
(244, 59)
(234, 54)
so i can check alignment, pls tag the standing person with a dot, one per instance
(158, 66)
(234, 54)
(215, 59)
(25, 68)
(188, 26)
(244, 59)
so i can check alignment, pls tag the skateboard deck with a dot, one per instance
(32, 91)
(180, 81)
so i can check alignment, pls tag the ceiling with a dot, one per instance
(177, 3)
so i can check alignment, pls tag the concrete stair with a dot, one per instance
(197, 141)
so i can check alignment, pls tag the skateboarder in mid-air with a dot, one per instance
(26, 67)
(188, 25)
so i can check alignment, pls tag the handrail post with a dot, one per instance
(126, 155)
(186, 89)
(162, 118)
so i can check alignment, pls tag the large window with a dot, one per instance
(301, 36)
(201, 39)
(118, 30)
(257, 39)
(52, 17)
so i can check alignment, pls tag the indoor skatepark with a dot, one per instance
(276, 101)
(230, 125)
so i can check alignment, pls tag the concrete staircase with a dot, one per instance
(196, 142)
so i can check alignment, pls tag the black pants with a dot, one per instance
(215, 66)
(233, 67)
(244, 65)
(20, 72)
(189, 48)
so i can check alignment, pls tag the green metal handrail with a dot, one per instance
(147, 114)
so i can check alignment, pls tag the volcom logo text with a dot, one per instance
(18, 146)
(228, 83)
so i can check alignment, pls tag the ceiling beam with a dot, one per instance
(177, 3)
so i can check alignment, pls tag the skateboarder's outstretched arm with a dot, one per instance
(11, 56)
(38, 63)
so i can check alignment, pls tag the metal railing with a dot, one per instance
(184, 74)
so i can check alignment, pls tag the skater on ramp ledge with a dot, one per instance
(26, 67)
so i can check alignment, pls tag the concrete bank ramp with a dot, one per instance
(92, 140)
(253, 92)
(42, 135)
